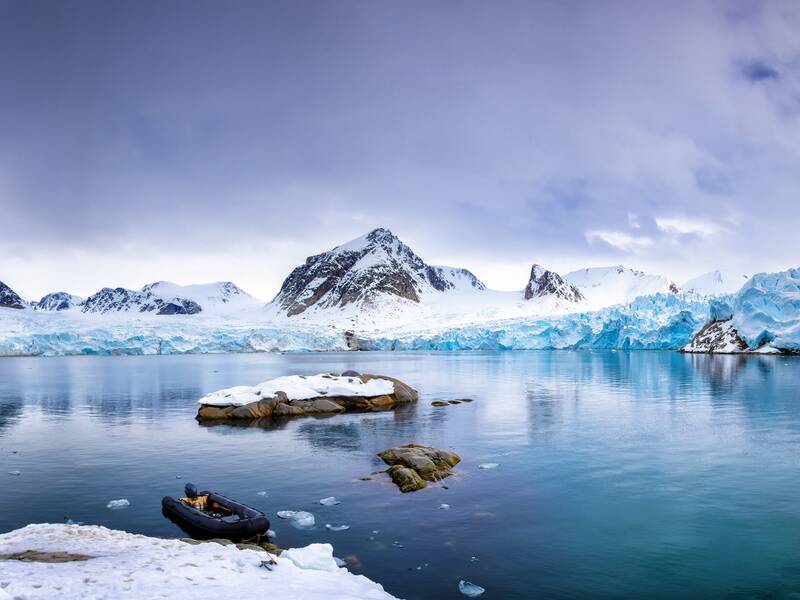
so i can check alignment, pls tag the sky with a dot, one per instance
(198, 141)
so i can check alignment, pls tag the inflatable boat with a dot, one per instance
(208, 514)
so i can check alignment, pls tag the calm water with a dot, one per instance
(642, 475)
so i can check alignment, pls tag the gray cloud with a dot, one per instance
(486, 135)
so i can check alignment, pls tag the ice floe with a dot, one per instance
(118, 504)
(299, 518)
(470, 589)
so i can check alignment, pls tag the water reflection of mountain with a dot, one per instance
(10, 410)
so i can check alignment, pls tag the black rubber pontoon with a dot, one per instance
(214, 515)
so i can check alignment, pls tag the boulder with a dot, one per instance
(408, 480)
(427, 463)
(281, 406)
(214, 413)
(402, 391)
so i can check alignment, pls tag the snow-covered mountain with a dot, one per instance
(548, 283)
(607, 286)
(166, 298)
(58, 301)
(9, 298)
(715, 283)
(375, 272)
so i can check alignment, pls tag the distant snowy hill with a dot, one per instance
(9, 298)
(548, 283)
(607, 286)
(715, 283)
(166, 298)
(58, 301)
(375, 273)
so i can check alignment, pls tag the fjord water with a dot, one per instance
(621, 475)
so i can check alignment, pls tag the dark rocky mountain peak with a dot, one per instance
(366, 271)
(544, 283)
(9, 298)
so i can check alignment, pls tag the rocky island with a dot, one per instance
(298, 395)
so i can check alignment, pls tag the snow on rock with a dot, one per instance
(299, 387)
(716, 337)
(375, 272)
(9, 298)
(548, 283)
(166, 298)
(766, 311)
(607, 286)
(144, 300)
(58, 301)
(715, 283)
(128, 566)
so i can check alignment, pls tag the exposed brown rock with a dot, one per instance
(424, 463)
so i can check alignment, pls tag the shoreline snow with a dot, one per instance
(130, 566)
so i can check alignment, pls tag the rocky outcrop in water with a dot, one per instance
(9, 298)
(411, 466)
(280, 405)
(717, 337)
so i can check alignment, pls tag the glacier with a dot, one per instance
(766, 311)
(29, 333)
(657, 322)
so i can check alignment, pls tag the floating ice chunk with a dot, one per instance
(444, 507)
(488, 466)
(330, 501)
(177, 476)
(15, 473)
(336, 527)
(117, 504)
(474, 559)
(261, 493)
(271, 533)
(470, 589)
(317, 557)
(397, 544)
(299, 518)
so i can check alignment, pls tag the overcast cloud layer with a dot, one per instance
(195, 141)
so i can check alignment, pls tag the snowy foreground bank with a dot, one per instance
(124, 565)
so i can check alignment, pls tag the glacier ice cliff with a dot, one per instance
(41, 334)
(658, 322)
(766, 311)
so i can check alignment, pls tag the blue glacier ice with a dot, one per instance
(657, 322)
(37, 334)
(766, 311)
